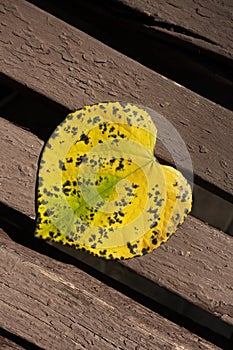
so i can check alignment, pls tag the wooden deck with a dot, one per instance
(181, 295)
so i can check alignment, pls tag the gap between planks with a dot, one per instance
(206, 22)
(12, 342)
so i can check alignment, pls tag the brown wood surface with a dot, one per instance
(179, 52)
(19, 152)
(6, 344)
(73, 69)
(57, 306)
(64, 307)
(195, 264)
(207, 23)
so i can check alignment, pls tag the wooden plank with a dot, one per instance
(69, 67)
(65, 308)
(208, 23)
(20, 152)
(196, 264)
(6, 344)
(175, 51)
(167, 276)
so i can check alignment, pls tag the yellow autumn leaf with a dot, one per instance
(100, 188)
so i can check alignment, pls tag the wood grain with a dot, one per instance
(55, 305)
(65, 308)
(181, 52)
(196, 264)
(19, 152)
(73, 69)
(6, 344)
(208, 23)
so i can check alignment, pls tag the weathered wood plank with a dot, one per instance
(6, 344)
(196, 264)
(73, 69)
(208, 23)
(167, 276)
(19, 152)
(65, 308)
(175, 51)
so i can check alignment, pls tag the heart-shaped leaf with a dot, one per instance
(101, 189)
